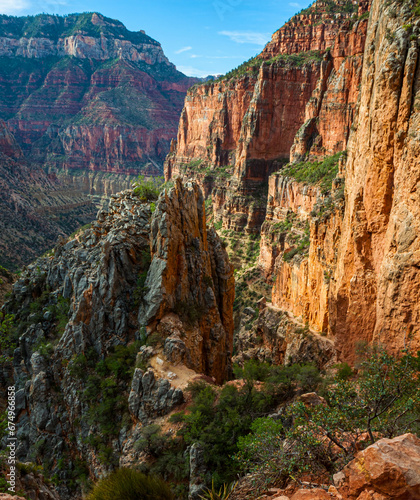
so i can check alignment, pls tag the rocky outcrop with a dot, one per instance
(250, 123)
(358, 281)
(331, 109)
(110, 99)
(144, 300)
(390, 468)
(85, 36)
(314, 28)
(191, 275)
(150, 397)
(275, 337)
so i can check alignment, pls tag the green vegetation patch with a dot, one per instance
(301, 245)
(129, 484)
(106, 382)
(383, 400)
(54, 27)
(315, 172)
(252, 66)
(149, 189)
(330, 7)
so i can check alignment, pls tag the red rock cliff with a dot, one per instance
(360, 280)
(376, 292)
(273, 107)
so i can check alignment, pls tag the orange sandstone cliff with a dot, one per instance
(235, 132)
(342, 255)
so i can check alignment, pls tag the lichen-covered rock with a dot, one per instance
(276, 338)
(198, 472)
(163, 280)
(150, 398)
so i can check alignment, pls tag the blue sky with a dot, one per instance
(200, 37)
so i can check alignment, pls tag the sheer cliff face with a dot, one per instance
(355, 275)
(110, 99)
(377, 289)
(300, 102)
(314, 28)
(360, 280)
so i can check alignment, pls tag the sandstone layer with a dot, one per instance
(360, 281)
(376, 287)
(293, 100)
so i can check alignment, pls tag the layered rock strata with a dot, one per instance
(295, 99)
(360, 281)
(110, 99)
(35, 209)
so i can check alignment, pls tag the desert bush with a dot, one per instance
(129, 484)
(383, 401)
(148, 189)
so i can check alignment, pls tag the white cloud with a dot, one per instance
(190, 71)
(13, 6)
(247, 37)
(224, 57)
(296, 5)
(195, 56)
(184, 49)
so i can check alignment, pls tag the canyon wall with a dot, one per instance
(36, 209)
(110, 99)
(376, 289)
(342, 255)
(360, 280)
(235, 132)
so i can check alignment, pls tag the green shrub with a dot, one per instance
(151, 440)
(191, 312)
(130, 484)
(148, 189)
(217, 420)
(344, 371)
(106, 387)
(252, 66)
(384, 401)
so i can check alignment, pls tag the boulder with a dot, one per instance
(390, 468)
